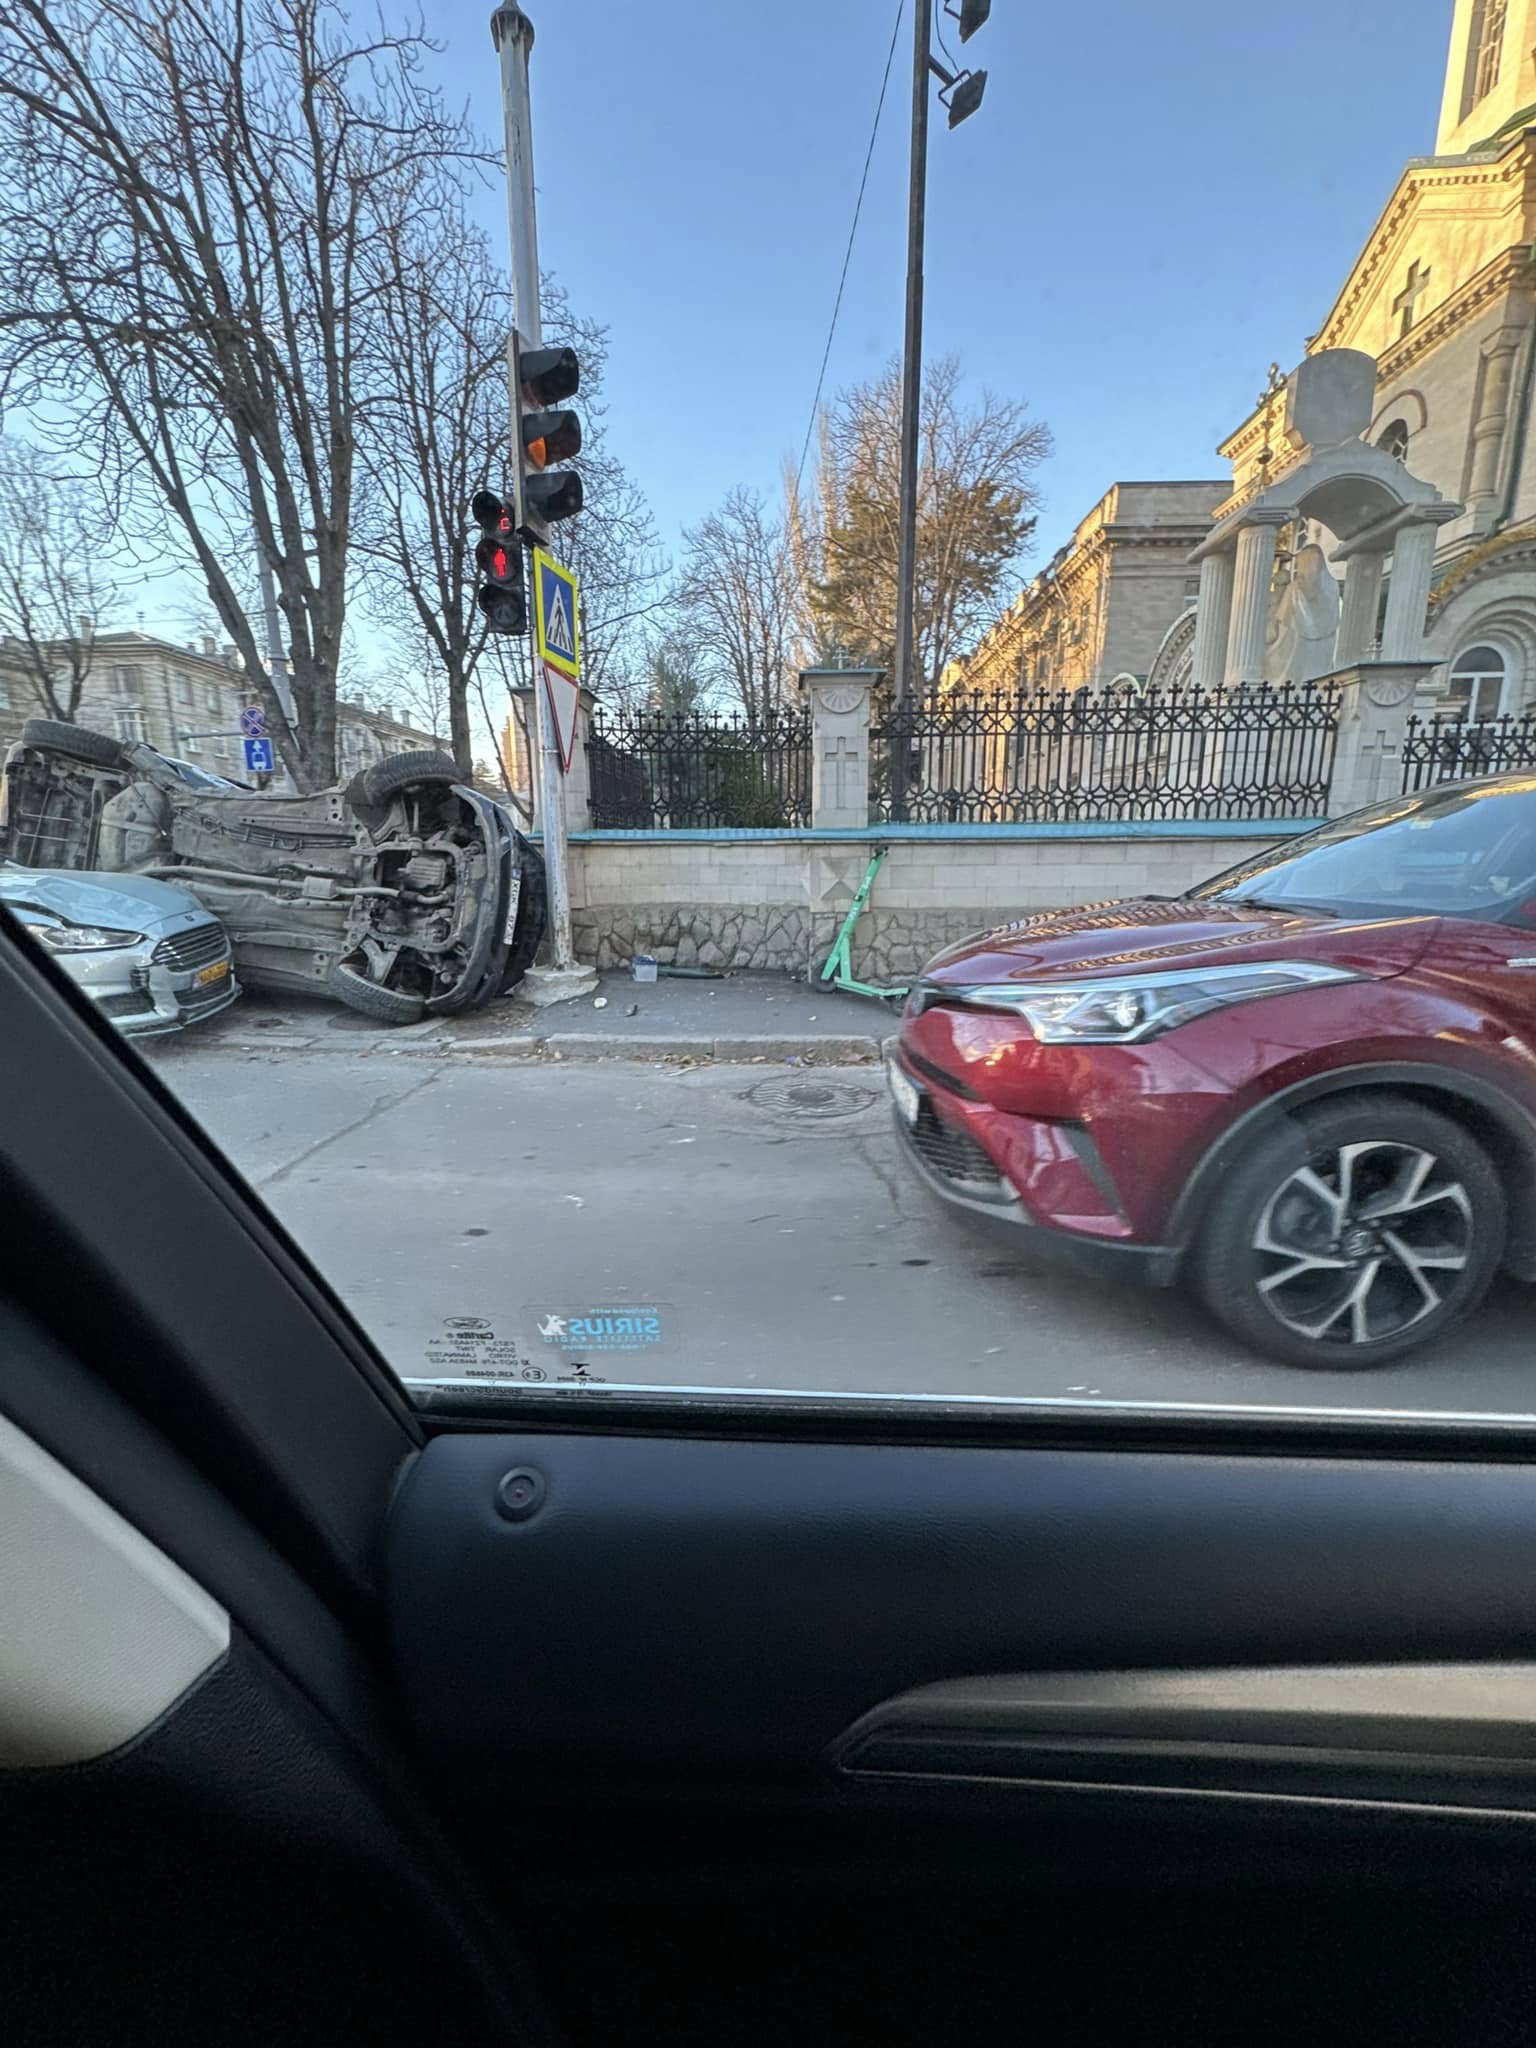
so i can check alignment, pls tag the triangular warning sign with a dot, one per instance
(564, 695)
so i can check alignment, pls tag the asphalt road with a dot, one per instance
(751, 1236)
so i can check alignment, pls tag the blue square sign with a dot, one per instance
(259, 758)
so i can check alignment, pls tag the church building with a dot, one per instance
(1443, 298)
(1383, 495)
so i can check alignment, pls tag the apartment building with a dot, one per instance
(186, 700)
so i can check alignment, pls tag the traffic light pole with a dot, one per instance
(911, 394)
(512, 33)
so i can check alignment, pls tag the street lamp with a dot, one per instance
(961, 92)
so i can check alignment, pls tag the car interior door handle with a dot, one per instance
(1444, 1735)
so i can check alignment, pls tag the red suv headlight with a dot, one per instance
(1124, 1009)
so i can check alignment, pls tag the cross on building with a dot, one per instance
(1406, 304)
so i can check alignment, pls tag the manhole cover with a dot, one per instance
(786, 1095)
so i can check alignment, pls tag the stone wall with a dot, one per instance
(775, 900)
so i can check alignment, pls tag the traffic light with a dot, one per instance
(503, 596)
(547, 434)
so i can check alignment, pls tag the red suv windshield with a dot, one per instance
(1465, 851)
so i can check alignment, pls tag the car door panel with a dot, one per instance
(687, 1605)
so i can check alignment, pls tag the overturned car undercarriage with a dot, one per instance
(405, 893)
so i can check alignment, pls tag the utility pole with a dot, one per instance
(961, 93)
(512, 34)
(911, 393)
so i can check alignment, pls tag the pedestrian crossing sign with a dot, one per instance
(554, 615)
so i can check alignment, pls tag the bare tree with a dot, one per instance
(441, 432)
(434, 439)
(54, 583)
(976, 500)
(199, 194)
(612, 543)
(736, 586)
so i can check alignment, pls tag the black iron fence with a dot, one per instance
(657, 769)
(1445, 747)
(1108, 754)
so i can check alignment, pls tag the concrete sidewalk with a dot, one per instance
(740, 1017)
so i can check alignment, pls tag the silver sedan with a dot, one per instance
(148, 954)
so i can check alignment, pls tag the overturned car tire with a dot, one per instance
(78, 740)
(532, 915)
(386, 778)
(372, 999)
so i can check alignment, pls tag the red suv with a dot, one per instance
(1308, 1086)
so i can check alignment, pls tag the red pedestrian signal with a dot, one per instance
(503, 595)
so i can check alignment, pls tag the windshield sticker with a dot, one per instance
(559, 1348)
(578, 1333)
(469, 1348)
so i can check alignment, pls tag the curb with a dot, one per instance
(830, 1050)
(598, 1045)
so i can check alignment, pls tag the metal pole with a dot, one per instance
(911, 393)
(512, 33)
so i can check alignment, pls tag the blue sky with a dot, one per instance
(1151, 204)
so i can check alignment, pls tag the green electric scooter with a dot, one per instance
(838, 972)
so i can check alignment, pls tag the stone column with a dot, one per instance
(839, 701)
(1375, 704)
(1362, 604)
(1252, 576)
(522, 694)
(1413, 562)
(578, 781)
(1499, 353)
(1213, 620)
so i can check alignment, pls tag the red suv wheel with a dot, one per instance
(1352, 1233)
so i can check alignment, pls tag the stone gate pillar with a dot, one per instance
(1375, 704)
(839, 702)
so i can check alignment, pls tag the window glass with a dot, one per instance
(1477, 683)
(1003, 875)
(1394, 440)
(1465, 851)
(1489, 19)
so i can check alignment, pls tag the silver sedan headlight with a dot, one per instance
(1127, 1008)
(61, 937)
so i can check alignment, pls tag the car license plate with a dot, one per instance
(904, 1093)
(216, 972)
(514, 897)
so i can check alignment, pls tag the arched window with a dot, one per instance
(1394, 440)
(1477, 683)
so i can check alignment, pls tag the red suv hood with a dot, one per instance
(1145, 934)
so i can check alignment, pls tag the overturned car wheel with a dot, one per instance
(386, 778)
(78, 741)
(372, 999)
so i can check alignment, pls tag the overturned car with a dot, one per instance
(403, 894)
